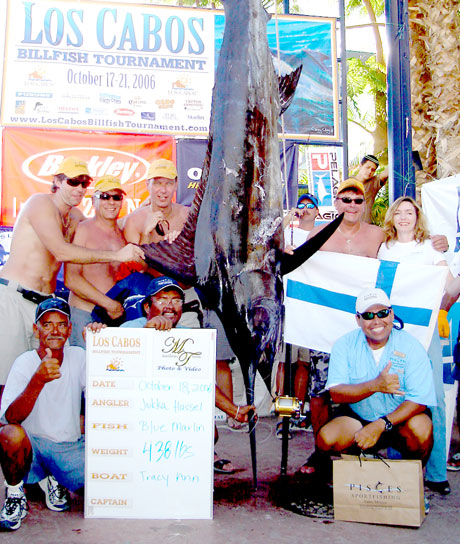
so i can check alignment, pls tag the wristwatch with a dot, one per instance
(388, 424)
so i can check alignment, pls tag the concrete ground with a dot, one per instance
(240, 515)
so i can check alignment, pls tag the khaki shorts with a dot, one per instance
(17, 316)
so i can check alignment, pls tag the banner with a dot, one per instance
(149, 69)
(95, 66)
(32, 156)
(310, 42)
(190, 159)
(320, 297)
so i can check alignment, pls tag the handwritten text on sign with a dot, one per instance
(149, 423)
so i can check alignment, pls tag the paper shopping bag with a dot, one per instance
(383, 491)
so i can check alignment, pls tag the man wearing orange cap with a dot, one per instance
(89, 282)
(41, 242)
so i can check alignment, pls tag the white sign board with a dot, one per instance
(150, 423)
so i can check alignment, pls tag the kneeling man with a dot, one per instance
(40, 439)
(383, 380)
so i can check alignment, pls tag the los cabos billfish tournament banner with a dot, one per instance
(150, 423)
(148, 69)
(31, 157)
(320, 297)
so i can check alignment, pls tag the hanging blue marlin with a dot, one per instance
(231, 247)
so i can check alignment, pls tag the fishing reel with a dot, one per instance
(287, 407)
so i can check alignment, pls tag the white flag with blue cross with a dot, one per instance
(320, 297)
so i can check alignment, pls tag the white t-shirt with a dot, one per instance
(299, 236)
(410, 252)
(56, 413)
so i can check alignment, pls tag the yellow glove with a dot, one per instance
(443, 324)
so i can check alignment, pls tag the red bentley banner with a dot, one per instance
(31, 156)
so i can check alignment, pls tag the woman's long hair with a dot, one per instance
(421, 230)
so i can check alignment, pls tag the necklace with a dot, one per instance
(347, 237)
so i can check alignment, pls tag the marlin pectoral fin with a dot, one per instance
(287, 87)
(175, 260)
(311, 246)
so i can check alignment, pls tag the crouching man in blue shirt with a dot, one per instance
(382, 378)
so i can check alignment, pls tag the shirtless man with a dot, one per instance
(163, 219)
(89, 283)
(141, 227)
(372, 182)
(41, 242)
(354, 237)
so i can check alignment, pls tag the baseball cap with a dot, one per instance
(369, 297)
(310, 197)
(52, 304)
(162, 168)
(371, 158)
(351, 183)
(108, 183)
(161, 283)
(73, 167)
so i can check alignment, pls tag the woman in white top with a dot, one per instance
(407, 241)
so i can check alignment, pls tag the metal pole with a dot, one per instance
(402, 174)
(343, 89)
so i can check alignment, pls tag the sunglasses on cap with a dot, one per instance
(308, 205)
(51, 304)
(75, 182)
(106, 196)
(348, 200)
(368, 316)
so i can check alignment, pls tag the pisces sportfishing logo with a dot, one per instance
(115, 365)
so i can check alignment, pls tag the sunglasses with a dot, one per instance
(303, 205)
(348, 200)
(106, 196)
(75, 182)
(368, 316)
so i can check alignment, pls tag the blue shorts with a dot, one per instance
(64, 460)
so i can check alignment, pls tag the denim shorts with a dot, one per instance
(64, 460)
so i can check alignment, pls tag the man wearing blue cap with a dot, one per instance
(40, 436)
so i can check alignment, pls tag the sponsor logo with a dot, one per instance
(115, 365)
(181, 83)
(137, 102)
(169, 116)
(101, 161)
(68, 109)
(38, 78)
(110, 98)
(75, 97)
(40, 107)
(193, 105)
(164, 103)
(148, 115)
(124, 111)
(196, 117)
(96, 111)
(20, 107)
(31, 94)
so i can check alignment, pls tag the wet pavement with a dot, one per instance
(242, 515)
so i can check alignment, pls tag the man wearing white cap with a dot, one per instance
(88, 283)
(41, 242)
(382, 378)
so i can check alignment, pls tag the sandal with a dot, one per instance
(317, 462)
(453, 464)
(220, 464)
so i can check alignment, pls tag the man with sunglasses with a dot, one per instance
(41, 242)
(354, 237)
(88, 283)
(383, 381)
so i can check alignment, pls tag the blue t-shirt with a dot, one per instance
(135, 323)
(352, 362)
